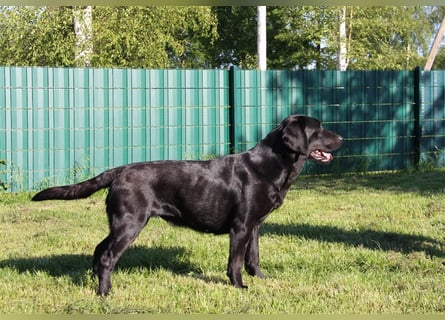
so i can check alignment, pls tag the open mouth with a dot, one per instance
(321, 156)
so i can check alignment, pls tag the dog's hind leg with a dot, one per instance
(102, 265)
(107, 253)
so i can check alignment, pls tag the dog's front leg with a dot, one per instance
(239, 237)
(252, 258)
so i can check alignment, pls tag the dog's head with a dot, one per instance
(307, 137)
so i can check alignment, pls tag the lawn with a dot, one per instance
(370, 243)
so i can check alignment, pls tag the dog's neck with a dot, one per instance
(274, 142)
(293, 161)
(279, 163)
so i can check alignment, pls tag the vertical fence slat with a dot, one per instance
(235, 110)
(417, 114)
(4, 109)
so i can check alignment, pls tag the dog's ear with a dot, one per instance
(293, 136)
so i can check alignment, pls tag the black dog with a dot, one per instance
(232, 194)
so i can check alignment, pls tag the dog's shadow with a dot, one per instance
(78, 266)
(175, 259)
(367, 238)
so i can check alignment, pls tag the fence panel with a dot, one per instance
(373, 110)
(63, 125)
(379, 120)
(433, 118)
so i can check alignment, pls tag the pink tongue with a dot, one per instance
(328, 155)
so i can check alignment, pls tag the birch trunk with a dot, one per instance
(262, 38)
(342, 62)
(83, 30)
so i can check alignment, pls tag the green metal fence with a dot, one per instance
(61, 125)
(373, 110)
(432, 131)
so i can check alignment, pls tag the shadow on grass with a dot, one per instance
(175, 259)
(78, 266)
(423, 183)
(378, 240)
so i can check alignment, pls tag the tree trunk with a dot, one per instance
(342, 62)
(262, 38)
(83, 30)
(436, 44)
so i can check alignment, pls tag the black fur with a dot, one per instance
(232, 194)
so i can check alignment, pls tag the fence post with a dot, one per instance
(418, 115)
(234, 118)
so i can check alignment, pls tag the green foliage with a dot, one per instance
(236, 44)
(431, 160)
(11, 177)
(3, 184)
(297, 37)
(377, 37)
(388, 37)
(346, 244)
(307, 37)
(152, 37)
(214, 37)
(439, 61)
(149, 37)
(80, 171)
(31, 36)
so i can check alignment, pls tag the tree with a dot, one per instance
(83, 30)
(371, 38)
(153, 37)
(439, 61)
(342, 57)
(307, 37)
(32, 36)
(150, 37)
(439, 12)
(388, 37)
(217, 37)
(236, 43)
(299, 37)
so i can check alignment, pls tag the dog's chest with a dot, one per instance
(266, 201)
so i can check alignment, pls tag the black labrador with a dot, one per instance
(232, 194)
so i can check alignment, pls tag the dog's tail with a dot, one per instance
(79, 190)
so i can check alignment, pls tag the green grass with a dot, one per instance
(339, 244)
